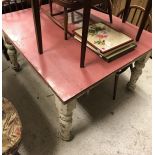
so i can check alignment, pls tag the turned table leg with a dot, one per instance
(65, 112)
(12, 53)
(137, 71)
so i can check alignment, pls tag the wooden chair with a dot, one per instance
(137, 12)
(135, 17)
(72, 5)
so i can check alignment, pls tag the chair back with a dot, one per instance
(135, 16)
(14, 5)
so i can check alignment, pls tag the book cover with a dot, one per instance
(114, 53)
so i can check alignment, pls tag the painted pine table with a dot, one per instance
(59, 64)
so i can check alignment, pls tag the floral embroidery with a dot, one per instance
(100, 42)
(100, 36)
(94, 30)
(99, 32)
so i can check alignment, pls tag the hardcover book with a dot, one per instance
(106, 41)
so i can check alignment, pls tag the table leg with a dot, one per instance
(37, 25)
(65, 112)
(144, 19)
(137, 71)
(126, 11)
(4, 50)
(12, 53)
(86, 17)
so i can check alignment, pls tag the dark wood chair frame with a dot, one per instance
(148, 26)
(71, 6)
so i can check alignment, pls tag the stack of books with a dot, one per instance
(107, 42)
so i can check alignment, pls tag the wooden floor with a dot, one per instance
(59, 65)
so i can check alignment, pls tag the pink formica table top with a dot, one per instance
(59, 65)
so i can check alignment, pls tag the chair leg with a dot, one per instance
(85, 25)
(110, 9)
(131, 66)
(72, 16)
(115, 85)
(65, 23)
(51, 9)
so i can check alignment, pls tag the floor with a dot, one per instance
(101, 126)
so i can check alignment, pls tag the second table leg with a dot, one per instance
(137, 71)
